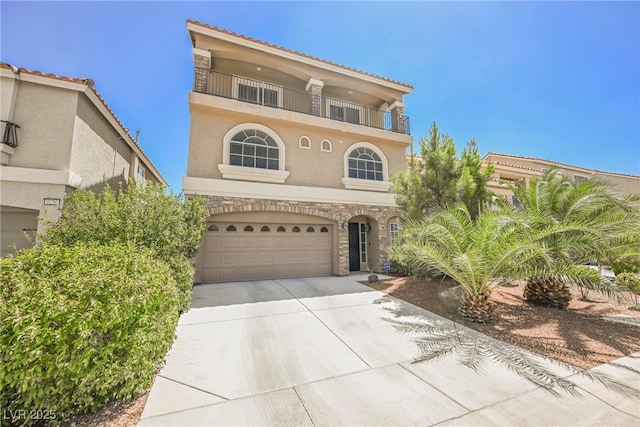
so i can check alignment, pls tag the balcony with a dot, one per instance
(274, 96)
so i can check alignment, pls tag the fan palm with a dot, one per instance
(585, 221)
(480, 255)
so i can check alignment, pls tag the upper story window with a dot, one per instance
(364, 163)
(257, 92)
(254, 148)
(253, 152)
(365, 168)
(140, 173)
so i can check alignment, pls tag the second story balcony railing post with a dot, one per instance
(311, 102)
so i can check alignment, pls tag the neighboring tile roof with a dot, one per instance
(304, 55)
(538, 159)
(89, 83)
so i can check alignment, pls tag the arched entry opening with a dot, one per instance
(364, 248)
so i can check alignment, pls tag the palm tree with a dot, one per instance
(584, 221)
(480, 255)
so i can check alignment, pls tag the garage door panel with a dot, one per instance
(245, 255)
(230, 243)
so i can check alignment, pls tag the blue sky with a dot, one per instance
(557, 80)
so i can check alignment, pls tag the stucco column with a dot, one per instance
(314, 88)
(202, 63)
(397, 117)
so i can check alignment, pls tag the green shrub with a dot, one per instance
(82, 325)
(626, 264)
(143, 215)
(630, 282)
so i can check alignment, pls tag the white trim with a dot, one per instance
(322, 145)
(201, 52)
(300, 142)
(259, 190)
(314, 82)
(252, 174)
(234, 130)
(39, 176)
(366, 184)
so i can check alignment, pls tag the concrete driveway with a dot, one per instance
(329, 351)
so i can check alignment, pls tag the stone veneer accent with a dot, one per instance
(337, 212)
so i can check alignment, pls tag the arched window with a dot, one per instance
(325, 145)
(248, 228)
(254, 148)
(231, 228)
(295, 229)
(304, 142)
(364, 163)
(365, 168)
(265, 228)
(212, 227)
(311, 230)
(281, 229)
(253, 152)
(324, 230)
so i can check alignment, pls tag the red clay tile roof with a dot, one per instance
(304, 55)
(551, 162)
(89, 83)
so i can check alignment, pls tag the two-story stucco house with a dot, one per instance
(511, 168)
(58, 134)
(293, 154)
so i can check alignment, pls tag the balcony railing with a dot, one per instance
(9, 133)
(274, 96)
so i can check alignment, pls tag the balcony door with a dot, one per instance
(345, 112)
(257, 92)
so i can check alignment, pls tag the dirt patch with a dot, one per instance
(117, 414)
(578, 336)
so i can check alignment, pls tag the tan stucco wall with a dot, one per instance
(45, 115)
(312, 167)
(94, 140)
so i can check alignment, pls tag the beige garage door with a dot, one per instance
(252, 251)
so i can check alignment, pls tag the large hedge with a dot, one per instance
(141, 214)
(82, 325)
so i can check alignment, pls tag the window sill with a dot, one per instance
(363, 184)
(252, 174)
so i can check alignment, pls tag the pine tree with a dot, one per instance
(439, 178)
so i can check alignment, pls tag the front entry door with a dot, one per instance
(354, 246)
